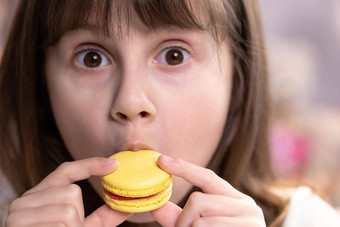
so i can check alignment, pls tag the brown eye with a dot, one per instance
(172, 56)
(92, 59)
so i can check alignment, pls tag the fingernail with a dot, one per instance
(166, 159)
(111, 161)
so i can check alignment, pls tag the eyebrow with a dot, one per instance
(114, 32)
(87, 27)
(96, 30)
(82, 29)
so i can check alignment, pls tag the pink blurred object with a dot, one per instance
(290, 152)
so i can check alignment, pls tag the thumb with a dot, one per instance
(167, 215)
(104, 216)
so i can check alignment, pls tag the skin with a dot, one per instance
(136, 100)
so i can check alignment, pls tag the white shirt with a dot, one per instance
(308, 210)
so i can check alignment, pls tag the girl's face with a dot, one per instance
(166, 90)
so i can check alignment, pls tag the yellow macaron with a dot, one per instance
(138, 185)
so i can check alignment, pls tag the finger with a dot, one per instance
(226, 221)
(70, 194)
(65, 214)
(50, 225)
(69, 172)
(104, 216)
(201, 177)
(167, 215)
(207, 205)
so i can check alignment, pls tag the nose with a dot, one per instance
(132, 101)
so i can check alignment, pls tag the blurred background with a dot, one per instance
(303, 44)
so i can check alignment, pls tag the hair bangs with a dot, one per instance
(113, 17)
(65, 15)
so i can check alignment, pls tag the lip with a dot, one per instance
(136, 146)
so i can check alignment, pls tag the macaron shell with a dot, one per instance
(139, 205)
(137, 175)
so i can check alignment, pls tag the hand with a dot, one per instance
(56, 201)
(219, 205)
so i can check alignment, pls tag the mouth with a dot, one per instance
(136, 146)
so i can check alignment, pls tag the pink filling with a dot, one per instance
(118, 197)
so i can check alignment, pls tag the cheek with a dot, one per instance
(198, 122)
(78, 112)
(77, 121)
(196, 131)
(201, 111)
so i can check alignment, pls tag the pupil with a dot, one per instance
(92, 59)
(174, 57)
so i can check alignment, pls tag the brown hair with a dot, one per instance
(29, 137)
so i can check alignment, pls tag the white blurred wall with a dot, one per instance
(303, 39)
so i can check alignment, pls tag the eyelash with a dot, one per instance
(174, 47)
(82, 54)
(185, 54)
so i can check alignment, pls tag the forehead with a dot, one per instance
(115, 18)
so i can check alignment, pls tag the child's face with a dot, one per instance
(167, 90)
